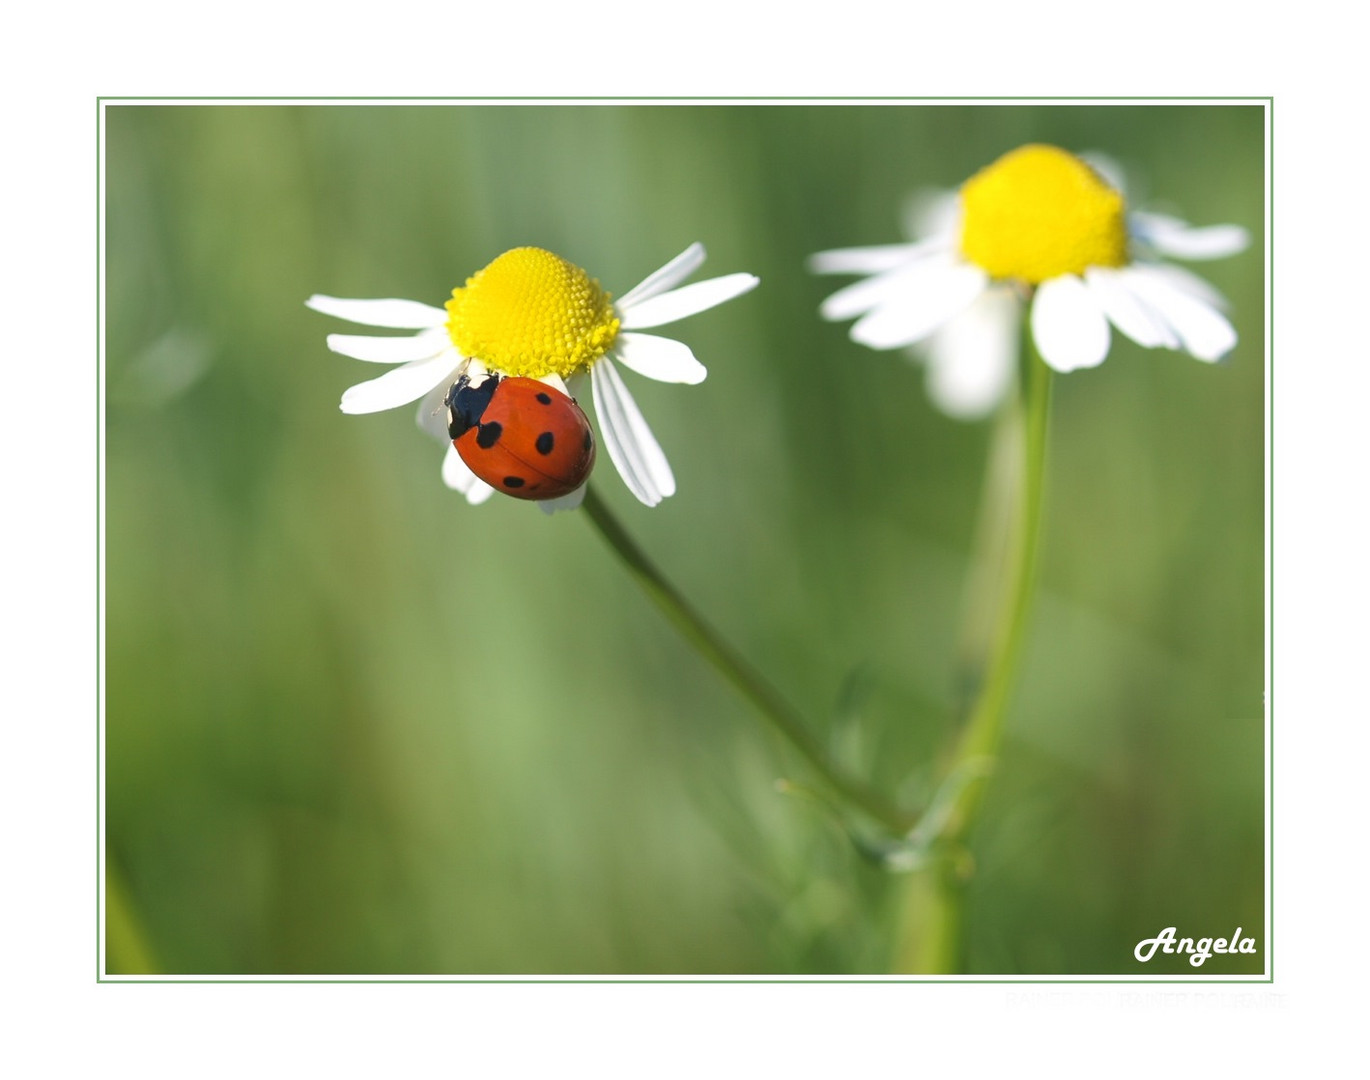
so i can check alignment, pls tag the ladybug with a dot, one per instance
(520, 436)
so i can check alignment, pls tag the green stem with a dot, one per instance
(768, 701)
(984, 730)
(931, 916)
(991, 555)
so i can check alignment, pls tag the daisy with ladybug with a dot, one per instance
(494, 371)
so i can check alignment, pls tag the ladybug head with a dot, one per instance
(466, 403)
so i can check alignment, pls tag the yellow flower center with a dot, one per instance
(532, 313)
(1038, 213)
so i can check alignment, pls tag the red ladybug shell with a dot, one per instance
(520, 436)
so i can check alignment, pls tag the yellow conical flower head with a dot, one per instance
(1039, 212)
(532, 313)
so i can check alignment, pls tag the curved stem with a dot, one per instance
(768, 701)
(931, 916)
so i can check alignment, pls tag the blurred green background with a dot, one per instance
(355, 726)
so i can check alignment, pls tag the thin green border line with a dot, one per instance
(741, 980)
(99, 541)
(858, 99)
(1270, 536)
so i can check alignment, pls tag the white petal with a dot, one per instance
(565, 502)
(1128, 311)
(862, 296)
(892, 286)
(1201, 327)
(668, 277)
(399, 314)
(1187, 282)
(688, 300)
(864, 260)
(972, 358)
(928, 299)
(1068, 326)
(659, 358)
(399, 386)
(633, 449)
(432, 412)
(459, 477)
(1173, 236)
(390, 350)
(455, 472)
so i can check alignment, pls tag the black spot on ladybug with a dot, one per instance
(544, 443)
(546, 399)
(488, 434)
(588, 440)
(513, 481)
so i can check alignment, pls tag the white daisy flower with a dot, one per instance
(533, 314)
(1043, 227)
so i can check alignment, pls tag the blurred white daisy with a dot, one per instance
(533, 314)
(1039, 226)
